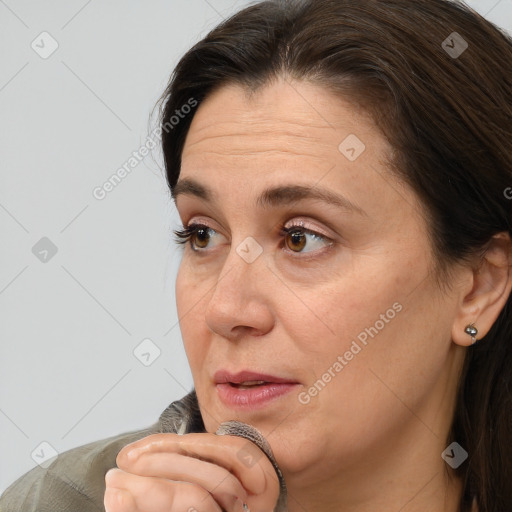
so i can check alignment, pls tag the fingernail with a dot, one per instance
(108, 475)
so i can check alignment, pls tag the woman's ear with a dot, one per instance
(487, 292)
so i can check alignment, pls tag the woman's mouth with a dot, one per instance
(244, 390)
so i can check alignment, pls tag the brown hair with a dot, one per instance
(445, 108)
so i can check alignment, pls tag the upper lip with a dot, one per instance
(224, 376)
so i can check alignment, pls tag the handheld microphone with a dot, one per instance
(237, 428)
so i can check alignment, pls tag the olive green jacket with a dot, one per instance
(75, 480)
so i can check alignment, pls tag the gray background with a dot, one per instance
(69, 325)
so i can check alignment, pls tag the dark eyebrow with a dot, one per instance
(271, 197)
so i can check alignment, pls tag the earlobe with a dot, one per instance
(489, 290)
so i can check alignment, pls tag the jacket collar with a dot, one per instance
(182, 416)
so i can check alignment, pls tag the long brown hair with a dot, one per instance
(437, 78)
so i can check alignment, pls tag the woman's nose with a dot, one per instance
(241, 301)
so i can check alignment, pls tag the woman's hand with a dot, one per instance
(198, 472)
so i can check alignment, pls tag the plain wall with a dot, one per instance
(71, 321)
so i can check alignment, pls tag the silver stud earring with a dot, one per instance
(472, 331)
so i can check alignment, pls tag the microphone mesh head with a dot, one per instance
(237, 428)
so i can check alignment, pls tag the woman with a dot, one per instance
(343, 173)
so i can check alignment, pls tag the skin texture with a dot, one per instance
(372, 437)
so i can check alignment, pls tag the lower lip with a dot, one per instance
(252, 398)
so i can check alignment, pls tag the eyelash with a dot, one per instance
(185, 235)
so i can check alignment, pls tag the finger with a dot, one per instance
(150, 494)
(224, 451)
(217, 480)
(118, 500)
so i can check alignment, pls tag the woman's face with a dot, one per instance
(344, 306)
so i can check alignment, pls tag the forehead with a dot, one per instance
(295, 119)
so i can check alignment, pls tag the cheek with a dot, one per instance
(189, 304)
(379, 323)
(389, 354)
(180, 291)
(358, 305)
(191, 291)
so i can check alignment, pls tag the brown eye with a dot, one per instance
(296, 241)
(301, 240)
(198, 236)
(201, 237)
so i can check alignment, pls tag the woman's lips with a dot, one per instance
(250, 390)
(254, 397)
